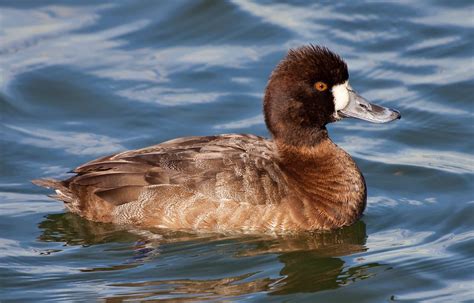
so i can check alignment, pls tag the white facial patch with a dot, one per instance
(341, 95)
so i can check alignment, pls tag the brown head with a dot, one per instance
(309, 89)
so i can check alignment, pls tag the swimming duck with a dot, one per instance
(298, 181)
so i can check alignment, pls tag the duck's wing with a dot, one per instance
(241, 168)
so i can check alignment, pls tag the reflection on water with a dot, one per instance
(73, 230)
(192, 290)
(309, 262)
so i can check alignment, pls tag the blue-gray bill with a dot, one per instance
(360, 108)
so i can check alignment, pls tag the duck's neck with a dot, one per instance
(327, 177)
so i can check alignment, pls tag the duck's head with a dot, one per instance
(310, 88)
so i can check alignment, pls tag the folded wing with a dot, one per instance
(240, 168)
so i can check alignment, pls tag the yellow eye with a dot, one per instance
(320, 86)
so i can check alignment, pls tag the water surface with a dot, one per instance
(79, 80)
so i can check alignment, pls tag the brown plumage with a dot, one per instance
(298, 181)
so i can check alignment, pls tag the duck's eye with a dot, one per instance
(320, 86)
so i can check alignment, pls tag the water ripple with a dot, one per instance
(76, 143)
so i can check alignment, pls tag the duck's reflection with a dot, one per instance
(310, 262)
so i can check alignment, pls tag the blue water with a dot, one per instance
(83, 79)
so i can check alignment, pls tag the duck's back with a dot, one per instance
(194, 182)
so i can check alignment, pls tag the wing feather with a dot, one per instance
(237, 167)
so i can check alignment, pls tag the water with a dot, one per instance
(83, 79)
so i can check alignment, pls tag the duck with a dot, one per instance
(296, 181)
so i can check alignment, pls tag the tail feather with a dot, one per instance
(62, 192)
(78, 199)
